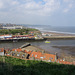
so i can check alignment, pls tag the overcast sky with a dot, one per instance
(42, 12)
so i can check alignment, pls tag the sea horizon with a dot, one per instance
(56, 29)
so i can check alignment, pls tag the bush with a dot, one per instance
(14, 66)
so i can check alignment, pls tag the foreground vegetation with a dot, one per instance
(15, 31)
(14, 66)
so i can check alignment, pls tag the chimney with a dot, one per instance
(56, 56)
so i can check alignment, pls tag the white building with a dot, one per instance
(5, 36)
(46, 34)
(1, 51)
(13, 27)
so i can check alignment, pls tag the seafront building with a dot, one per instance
(17, 37)
(5, 36)
(11, 26)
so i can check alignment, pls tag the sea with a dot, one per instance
(57, 29)
(49, 47)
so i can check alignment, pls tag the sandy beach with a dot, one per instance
(54, 35)
(59, 34)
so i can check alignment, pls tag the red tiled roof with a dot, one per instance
(1, 49)
(4, 35)
(18, 50)
(8, 55)
(45, 56)
(49, 57)
(25, 51)
(37, 55)
(63, 62)
(29, 52)
(20, 35)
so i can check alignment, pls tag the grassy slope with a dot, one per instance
(14, 66)
(14, 31)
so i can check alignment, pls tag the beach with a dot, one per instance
(54, 35)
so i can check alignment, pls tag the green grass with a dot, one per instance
(15, 31)
(14, 66)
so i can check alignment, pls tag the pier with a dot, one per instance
(59, 37)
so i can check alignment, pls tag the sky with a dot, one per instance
(38, 12)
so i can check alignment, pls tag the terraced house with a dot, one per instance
(33, 55)
(43, 56)
(1, 51)
(19, 53)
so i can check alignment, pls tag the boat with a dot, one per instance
(47, 41)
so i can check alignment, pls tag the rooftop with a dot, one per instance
(18, 49)
(1, 49)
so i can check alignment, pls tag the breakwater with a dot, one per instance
(59, 37)
(16, 40)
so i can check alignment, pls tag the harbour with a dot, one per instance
(48, 47)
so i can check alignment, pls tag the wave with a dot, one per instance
(57, 32)
(44, 29)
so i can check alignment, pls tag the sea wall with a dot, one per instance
(59, 37)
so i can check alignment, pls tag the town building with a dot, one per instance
(5, 36)
(11, 26)
(18, 53)
(43, 56)
(1, 51)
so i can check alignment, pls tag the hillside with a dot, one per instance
(17, 31)
(14, 66)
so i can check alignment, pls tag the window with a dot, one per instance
(51, 58)
(32, 54)
(15, 49)
(18, 54)
(13, 54)
(41, 57)
(35, 55)
(60, 59)
(44, 57)
(23, 55)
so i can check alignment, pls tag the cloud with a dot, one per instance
(69, 4)
(14, 2)
(66, 0)
(50, 6)
(24, 9)
(68, 8)
(1, 5)
(42, 7)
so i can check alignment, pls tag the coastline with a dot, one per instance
(54, 35)
(70, 56)
(59, 32)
